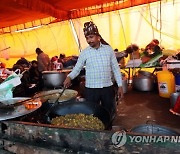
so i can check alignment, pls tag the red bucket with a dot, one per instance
(176, 109)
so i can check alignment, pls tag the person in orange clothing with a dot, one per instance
(44, 63)
(4, 72)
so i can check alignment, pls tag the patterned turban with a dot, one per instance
(90, 29)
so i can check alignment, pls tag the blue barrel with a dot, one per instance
(177, 79)
(177, 82)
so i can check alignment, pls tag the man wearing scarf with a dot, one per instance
(101, 66)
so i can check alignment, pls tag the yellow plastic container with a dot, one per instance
(166, 83)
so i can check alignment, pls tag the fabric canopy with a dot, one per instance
(15, 12)
(119, 28)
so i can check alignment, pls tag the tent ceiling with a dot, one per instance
(14, 12)
(76, 4)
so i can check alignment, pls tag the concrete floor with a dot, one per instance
(139, 107)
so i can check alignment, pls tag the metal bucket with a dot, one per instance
(151, 129)
(125, 86)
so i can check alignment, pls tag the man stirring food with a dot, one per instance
(101, 67)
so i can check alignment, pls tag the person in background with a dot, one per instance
(133, 51)
(61, 58)
(34, 72)
(68, 62)
(35, 77)
(101, 65)
(43, 60)
(22, 90)
(132, 48)
(129, 50)
(153, 49)
(4, 72)
(120, 57)
(23, 62)
(55, 64)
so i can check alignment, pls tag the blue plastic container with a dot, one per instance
(177, 82)
(177, 79)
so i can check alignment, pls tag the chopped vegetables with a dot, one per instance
(78, 121)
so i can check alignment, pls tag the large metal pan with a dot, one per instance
(75, 107)
(52, 95)
(17, 111)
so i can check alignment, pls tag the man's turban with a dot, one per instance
(90, 29)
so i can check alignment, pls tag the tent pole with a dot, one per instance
(75, 35)
(122, 27)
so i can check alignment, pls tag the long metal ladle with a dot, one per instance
(46, 116)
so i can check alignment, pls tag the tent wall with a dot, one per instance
(52, 39)
(138, 25)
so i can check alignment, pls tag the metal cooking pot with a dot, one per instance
(53, 79)
(143, 83)
(75, 107)
(152, 129)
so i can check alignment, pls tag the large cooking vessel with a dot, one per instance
(52, 95)
(54, 79)
(144, 81)
(75, 107)
(18, 111)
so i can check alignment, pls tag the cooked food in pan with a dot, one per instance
(78, 121)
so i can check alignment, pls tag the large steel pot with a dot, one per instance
(143, 83)
(53, 79)
(153, 129)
